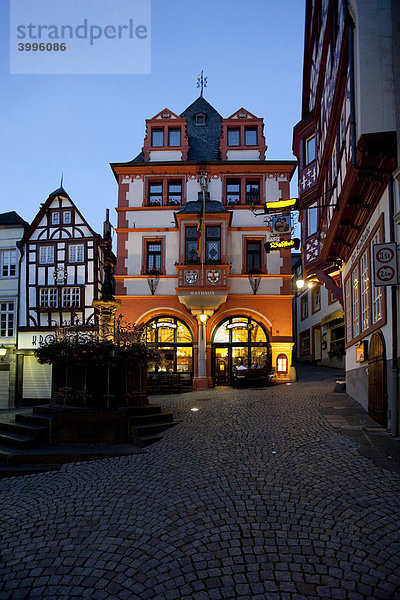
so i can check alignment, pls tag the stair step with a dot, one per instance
(36, 431)
(151, 428)
(151, 418)
(34, 419)
(43, 410)
(146, 440)
(17, 440)
(145, 410)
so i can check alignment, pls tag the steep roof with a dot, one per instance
(203, 139)
(12, 218)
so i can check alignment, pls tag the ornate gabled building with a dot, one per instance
(346, 146)
(60, 277)
(188, 240)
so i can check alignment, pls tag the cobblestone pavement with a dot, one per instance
(253, 496)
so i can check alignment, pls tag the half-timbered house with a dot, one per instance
(59, 280)
(346, 146)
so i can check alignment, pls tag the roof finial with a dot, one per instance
(62, 179)
(201, 83)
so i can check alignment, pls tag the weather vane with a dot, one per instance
(201, 83)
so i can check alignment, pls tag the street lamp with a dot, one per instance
(254, 281)
(300, 283)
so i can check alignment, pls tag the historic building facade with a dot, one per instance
(188, 239)
(12, 228)
(346, 146)
(59, 279)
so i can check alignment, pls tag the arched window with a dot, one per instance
(282, 364)
(174, 339)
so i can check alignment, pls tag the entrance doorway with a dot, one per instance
(238, 341)
(377, 408)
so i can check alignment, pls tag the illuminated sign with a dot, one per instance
(280, 204)
(362, 351)
(164, 324)
(282, 244)
(238, 324)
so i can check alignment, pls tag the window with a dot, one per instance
(213, 244)
(282, 364)
(67, 217)
(312, 215)
(157, 137)
(8, 263)
(55, 218)
(48, 298)
(233, 137)
(347, 289)
(250, 136)
(305, 343)
(7, 319)
(200, 119)
(175, 193)
(304, 306)
(191, 244)
(310, 150)
(155, 194)
(355, 284)
(253, 256)
(333, 165)
(174, 137)
(341, 129)
(364, 289)
(377, 292)
(71, 297)
(252, 192)
(46, 254)
(233, 191)
(316, 299)
(76, 253)
(153, 253)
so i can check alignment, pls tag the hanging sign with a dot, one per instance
(282, 244)
(385, 264)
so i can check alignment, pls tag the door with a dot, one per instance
(317, 343)
(377, 408)
(221, 366)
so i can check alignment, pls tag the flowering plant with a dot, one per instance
(95, 353)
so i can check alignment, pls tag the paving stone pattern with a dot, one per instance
(254, 496)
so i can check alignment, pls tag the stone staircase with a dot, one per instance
(25, 439)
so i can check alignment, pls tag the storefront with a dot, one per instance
(238, 341)
(174, 339)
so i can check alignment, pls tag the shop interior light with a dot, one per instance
(3, 352)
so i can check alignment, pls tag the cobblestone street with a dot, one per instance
(256, 495)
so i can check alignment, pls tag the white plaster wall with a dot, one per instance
(274, 262)
(160, 155)
(215, 189)
(241, 285)
(140, 287)
(245, 218)
(272, 191)
(135, 193)
(373, 66)
(150, 218)
(243, 155)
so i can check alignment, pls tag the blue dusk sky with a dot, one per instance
(251, 52)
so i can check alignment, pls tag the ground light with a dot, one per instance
(194, 409)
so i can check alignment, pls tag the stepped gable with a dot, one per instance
(203, 139)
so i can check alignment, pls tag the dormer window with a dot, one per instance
(250, 136)
(233, 137)
(200, 119)
(157, 137)
(174, 137)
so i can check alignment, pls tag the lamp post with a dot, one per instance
(254, 281)
(3, 352)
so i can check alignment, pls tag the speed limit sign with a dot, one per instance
(385, 264)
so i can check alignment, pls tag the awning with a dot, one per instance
(337, 314)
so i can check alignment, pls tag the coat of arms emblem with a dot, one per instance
(213, 276)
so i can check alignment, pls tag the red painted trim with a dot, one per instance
(172, 122)
(145, 242)
(242, 123)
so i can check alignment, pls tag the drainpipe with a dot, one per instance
(394, 404)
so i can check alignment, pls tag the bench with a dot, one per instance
(251, 378)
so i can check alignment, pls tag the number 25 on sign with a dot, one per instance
(385, 264)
